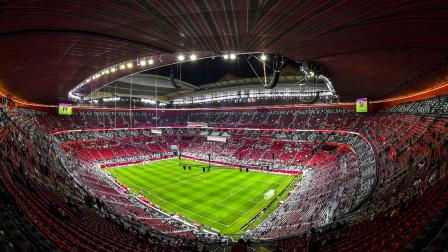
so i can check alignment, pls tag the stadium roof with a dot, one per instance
(377, 49)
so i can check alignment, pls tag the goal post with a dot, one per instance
(269, 194)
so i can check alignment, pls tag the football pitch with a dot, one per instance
(223, 198)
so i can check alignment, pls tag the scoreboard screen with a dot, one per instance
(65, 109)
(361, 105)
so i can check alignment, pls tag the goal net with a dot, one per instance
(269, 194)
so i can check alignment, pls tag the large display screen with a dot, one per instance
(65, 109)
(361, 105)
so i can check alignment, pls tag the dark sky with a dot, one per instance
(210, 70)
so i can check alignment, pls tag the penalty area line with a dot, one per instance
(170, 203)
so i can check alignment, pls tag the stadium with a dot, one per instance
(223, 125)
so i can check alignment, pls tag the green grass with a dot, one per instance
(223, 198)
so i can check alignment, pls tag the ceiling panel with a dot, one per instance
(372, 48)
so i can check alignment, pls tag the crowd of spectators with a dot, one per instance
(36, 171)
(391, 161)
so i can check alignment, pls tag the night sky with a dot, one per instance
(211, 70)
